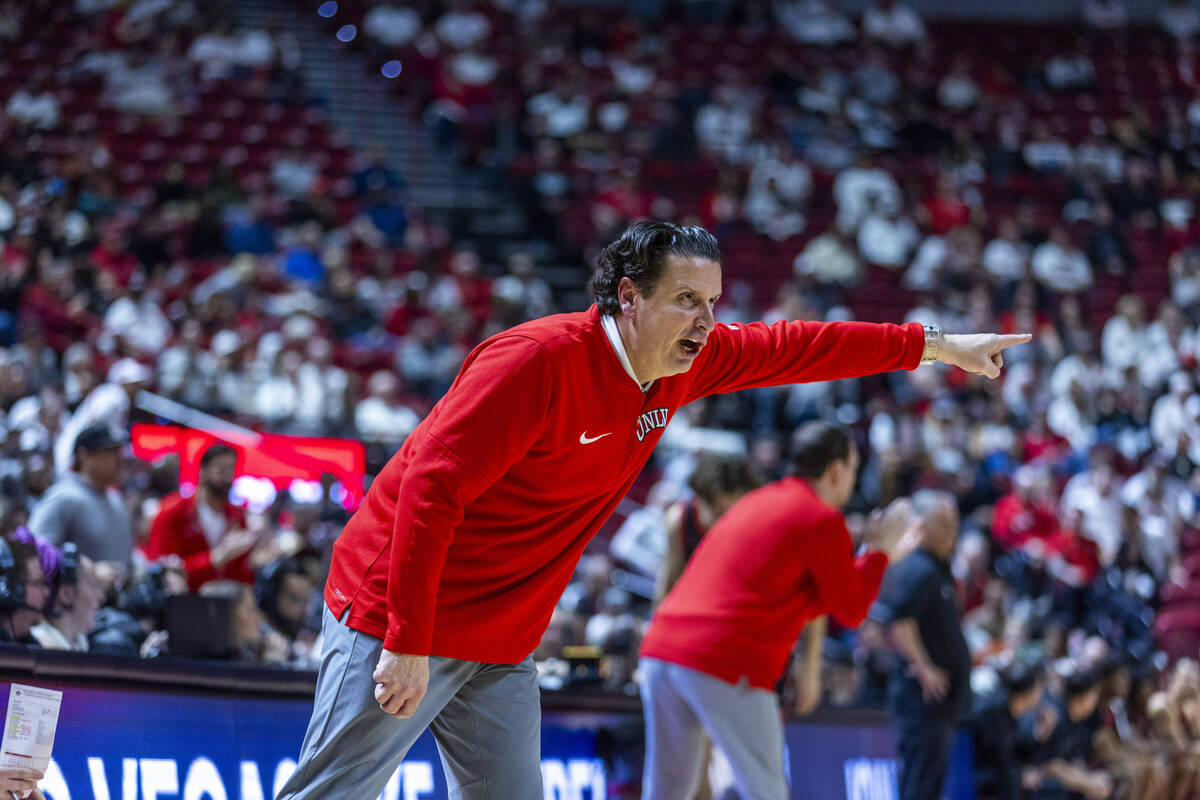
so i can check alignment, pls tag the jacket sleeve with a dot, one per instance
(166, 538)
(487, 422)
(744, 356)
(848, 585)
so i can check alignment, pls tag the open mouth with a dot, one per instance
(690, 347)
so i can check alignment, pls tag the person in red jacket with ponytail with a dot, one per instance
(720, 641)
(444, 580)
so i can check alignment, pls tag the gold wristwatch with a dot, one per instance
(933, 343)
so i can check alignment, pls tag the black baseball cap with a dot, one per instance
(100, 437)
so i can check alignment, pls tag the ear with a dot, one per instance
(627, 295)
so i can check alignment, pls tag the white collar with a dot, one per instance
(52, 638)
(609, 324)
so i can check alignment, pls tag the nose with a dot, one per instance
(706, 320)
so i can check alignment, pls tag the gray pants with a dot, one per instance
(486, 719)
(680, 704)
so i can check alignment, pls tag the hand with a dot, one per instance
(153, 644)
(1099, 786)
(934, 681)
(894, 530)
(980, 353)
(231, 545)
(21, 782)
(275, 647)
(401, 682)
(1031, 777)
(1043, 726)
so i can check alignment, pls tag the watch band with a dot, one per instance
(933, 343)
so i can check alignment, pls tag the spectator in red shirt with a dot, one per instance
(1072, 557)
(204, 529)
(720, 640)
(1027, 511)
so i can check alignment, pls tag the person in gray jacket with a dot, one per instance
(85, 506)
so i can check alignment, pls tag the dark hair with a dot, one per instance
(716, 475)
(214, 452)
(1021, 676)
(816, 445)
(640, 254)
(21, 553)
(1079, 683)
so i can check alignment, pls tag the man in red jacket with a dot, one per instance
(443, 582)
(204, 529)
(720, 641)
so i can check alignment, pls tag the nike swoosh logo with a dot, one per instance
(584, 439)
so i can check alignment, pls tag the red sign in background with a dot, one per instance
(277, 458)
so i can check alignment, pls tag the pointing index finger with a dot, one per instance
(1010, 339)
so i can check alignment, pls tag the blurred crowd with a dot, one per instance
(884, 167)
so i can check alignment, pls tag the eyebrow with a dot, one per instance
(681, 288)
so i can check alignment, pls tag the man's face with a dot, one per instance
(1083, 705)
(217, 475)
(671, 325)
(941, 530)
(1024, 702)
(102, 467)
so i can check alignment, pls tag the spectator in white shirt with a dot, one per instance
(521, 295)
(277, 399)
(957, 91)
(34, 107)
(562, 113)
(1170, 342)
(1060, 266)
(1095, 493)
(323, 387)
(893, 24)
(1124, 339)
(1071, 417)
(854, 187)
(1179, 18)
(380, 416)
(1045, 152)
(474, 68)
(256, 49)
(137, 319)
(829, 259)
(186, 371)
(462, 27)
(1169, 418)
(393, 26)
(294, 173)
(215, 52)
(1163, 506)
(632, 76)
(887, 239)
(1006, 258)
(1070, 71)
(813, 22)
(723, 126)
(778, 189)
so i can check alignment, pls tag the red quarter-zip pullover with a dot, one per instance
(470, 533)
